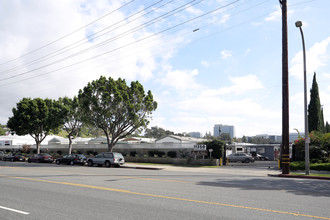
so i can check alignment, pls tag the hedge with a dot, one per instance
(300, 165)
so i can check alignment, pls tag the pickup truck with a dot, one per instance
(107, 159)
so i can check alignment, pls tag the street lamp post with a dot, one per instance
(298, 25)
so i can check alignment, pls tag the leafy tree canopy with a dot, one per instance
(115, 107)
(37, 117)
(157, 132)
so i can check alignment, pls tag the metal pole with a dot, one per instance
(299, 24)
(285, 152)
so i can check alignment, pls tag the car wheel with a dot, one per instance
(29, 160)
(90, 163)
(247, 160)
(58, 162)
(71, 163)
(107, 164)
(117, 165)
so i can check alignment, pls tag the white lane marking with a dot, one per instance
(14, 210)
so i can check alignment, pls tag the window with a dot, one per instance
(261, 150)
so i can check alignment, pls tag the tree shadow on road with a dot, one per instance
(317, 188)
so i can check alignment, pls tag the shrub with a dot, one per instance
(171, 154)
(76, 152)
(151, 153)
(26, 148)
(132, 153)
(320, 166)
(297, 165)
(160, 153)
(300, 165)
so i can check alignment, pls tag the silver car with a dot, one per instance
(2, 155)
(242, 157)
(106, 159)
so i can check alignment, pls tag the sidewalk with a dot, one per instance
(302, 176)
(225, 170)
(220, 169)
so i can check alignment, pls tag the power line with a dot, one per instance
(61, 38)
(56, 53)
(156, 34)
(174, 11)
(118, 48)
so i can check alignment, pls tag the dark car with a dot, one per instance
(72, 159)
(14, 157)
(260, 157)
(41, 158)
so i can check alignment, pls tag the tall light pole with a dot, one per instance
(298, 25)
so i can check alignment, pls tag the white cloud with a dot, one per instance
(277, 14)
(205, 63)
(224, 18)
(317, 56)
(181, 80)
(239, 85)
(274, 16)
(194, 11)
(247, 52)
(225, 54)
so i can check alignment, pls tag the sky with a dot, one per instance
(206, 62)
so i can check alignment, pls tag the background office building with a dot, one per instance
(220, 129)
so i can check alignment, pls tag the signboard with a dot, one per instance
(200, 147)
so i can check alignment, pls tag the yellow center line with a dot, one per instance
(165, 197)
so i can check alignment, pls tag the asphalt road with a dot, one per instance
(49, 191)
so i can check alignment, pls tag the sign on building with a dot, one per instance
(200, 147)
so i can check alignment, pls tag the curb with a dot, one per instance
(142, 168)
(299, 176)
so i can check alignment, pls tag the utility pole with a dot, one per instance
(285, 152)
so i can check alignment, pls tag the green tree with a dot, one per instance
(327, 127)
(115, 107)
(3, 129)
(315, 121)
(37, 117)
(208, 135)
(217, 146)
(156, 132)
(72, 120)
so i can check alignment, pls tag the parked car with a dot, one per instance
(14, 157)
(41, 158)
(107, 159)
(72, 159)
(242, 157)
(260, 157)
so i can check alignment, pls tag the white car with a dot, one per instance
(107, 159)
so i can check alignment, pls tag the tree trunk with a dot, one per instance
(70, 145)
(38, 147)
